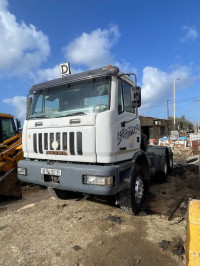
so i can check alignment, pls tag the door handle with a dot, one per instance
(38, 124)
(74, 121)
(123, 124)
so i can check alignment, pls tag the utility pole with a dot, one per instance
(167, 109)
(174, 101)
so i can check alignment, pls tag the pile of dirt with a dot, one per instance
(181, 154)
(176, 246)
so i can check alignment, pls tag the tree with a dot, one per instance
(182, 123)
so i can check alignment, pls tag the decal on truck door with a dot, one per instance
(128, 132)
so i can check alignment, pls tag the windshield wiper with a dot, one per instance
(72, 114)
(39, 116)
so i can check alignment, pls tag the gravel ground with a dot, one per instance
(46, 231)
(41, 230)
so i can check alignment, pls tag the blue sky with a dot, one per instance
(159, 40)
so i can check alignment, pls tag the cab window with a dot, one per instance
(124, 97)
(120, 98)
(7, 128)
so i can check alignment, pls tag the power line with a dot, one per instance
(183, 100)
(153, 106)
(177, 101)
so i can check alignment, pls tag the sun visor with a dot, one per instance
(106, 71)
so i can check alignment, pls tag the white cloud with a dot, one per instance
(93, 50)
(157, 85)
(22, 47)
(45, 74)
(18, 104)
(88, 51)
(42, 75)
(190, 34)
(3, 4)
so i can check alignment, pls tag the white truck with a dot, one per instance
(82, 134)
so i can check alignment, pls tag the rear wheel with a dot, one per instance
(165, 168)
(161, 175)
(131, 199)
(59, 194)
(170, 163)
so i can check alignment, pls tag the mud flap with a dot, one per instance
(10, 186)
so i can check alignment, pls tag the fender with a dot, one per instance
(125, 172)
(140, 158)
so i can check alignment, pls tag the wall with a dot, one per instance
(154, 128)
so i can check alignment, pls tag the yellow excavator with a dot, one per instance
(10, 153)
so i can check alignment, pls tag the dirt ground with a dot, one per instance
(41, 230)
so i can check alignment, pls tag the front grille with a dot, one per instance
(72, 151)
(70, 142)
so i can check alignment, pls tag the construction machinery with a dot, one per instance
(10, 154)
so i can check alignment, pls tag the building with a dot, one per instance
(155, 128)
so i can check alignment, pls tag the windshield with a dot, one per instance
(79, 98)
(7, 128)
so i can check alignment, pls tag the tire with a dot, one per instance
(59, 194)
(170, 163)
(161, 175)
(131, 199)
(164, 169)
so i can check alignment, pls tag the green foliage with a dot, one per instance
(182, 123)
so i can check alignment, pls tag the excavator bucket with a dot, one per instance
(10, 186)
(10, 154)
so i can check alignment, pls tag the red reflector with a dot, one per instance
(108, 65)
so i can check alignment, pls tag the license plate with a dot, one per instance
(46, 171)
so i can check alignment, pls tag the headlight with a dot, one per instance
(98, 180)
(22, 171)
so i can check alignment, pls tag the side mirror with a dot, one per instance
(19, 126)
(28, 107)
(137, 98)
(134, 104)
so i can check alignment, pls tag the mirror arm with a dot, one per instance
(129, 74)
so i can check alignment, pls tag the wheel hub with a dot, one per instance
(139, 189)
(165, 168)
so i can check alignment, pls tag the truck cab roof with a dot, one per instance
(105, 71)
(6, 115)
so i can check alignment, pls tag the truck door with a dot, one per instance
(128, 125)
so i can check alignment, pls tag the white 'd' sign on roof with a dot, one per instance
(65, 69)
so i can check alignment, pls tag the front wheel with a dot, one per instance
(131, 199)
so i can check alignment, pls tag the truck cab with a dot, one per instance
(82, 133)
(86, 119)
(8, 128)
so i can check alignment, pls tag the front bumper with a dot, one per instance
(72, 176)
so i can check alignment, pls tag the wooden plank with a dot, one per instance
(173, 207)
